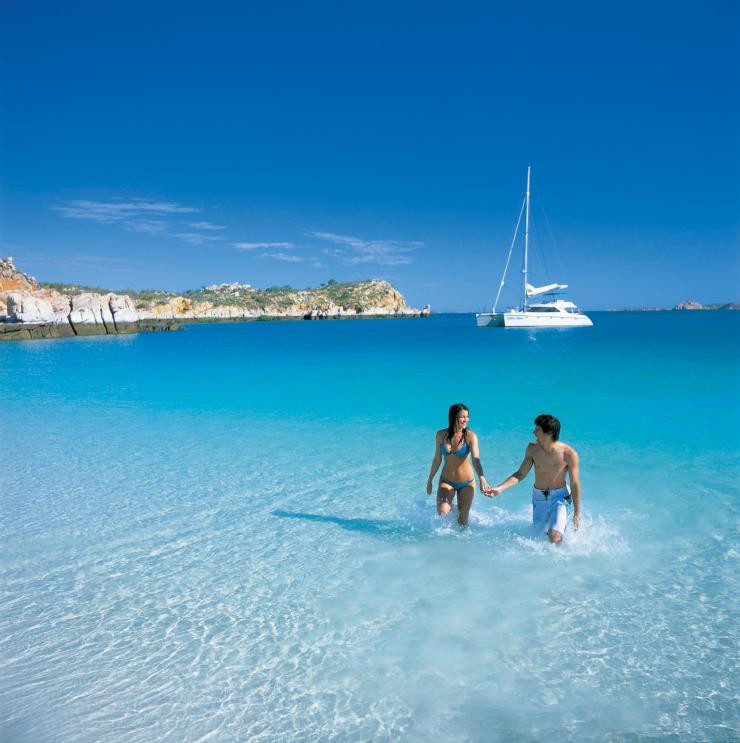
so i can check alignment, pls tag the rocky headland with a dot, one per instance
(29, 309)
(689, 304)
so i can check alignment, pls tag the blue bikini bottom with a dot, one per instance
(457, 485)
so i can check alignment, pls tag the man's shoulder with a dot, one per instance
(568, 450)
(531, 447)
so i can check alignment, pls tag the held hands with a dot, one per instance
(576, 521)
(486, 489)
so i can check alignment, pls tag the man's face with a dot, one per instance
(540, 435)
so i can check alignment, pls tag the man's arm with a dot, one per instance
(571, 459)
(517, 477)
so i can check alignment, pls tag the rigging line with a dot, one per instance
(540, 249)
(506, 268)
(559, 259)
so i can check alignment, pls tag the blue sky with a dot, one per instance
(178, 145)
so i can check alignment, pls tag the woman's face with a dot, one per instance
(462, 419)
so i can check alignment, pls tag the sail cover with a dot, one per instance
(535, 291)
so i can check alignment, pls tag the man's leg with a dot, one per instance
(558, 522)
(540, 517)
(555, 536)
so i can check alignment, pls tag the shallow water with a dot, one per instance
(222, 534)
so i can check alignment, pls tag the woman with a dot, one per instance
(459, 448)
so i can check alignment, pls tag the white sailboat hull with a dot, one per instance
(543, 315)
(546, 320)
(490, 320)
(531, 320)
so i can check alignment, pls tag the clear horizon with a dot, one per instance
(163, 147)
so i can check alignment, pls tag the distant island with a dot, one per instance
(29, 309)
(687, 305)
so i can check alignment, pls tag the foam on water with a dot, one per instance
(257, 560)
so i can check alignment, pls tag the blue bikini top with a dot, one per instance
(461, 452)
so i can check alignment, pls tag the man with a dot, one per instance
(550, 496)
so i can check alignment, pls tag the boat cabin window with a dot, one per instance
(543, 309)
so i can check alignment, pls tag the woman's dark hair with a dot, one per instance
(549, 424)
(452, 418)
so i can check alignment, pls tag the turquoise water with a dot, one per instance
(223, 534)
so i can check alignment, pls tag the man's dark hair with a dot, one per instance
(549, 424)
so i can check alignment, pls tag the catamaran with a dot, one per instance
(546, 311)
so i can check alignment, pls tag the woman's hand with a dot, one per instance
(488, 490)
(429, 486)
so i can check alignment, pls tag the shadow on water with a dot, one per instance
(375, 527)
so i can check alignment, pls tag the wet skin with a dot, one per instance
(551, 461)
(456, 469)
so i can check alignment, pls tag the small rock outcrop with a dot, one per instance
(689, 305)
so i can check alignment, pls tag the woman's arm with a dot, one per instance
(435, 464)
(477, 465)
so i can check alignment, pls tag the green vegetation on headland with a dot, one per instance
(359, 295)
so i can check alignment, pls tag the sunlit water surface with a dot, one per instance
(223, 534)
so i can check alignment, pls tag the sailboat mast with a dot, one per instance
(526, 245)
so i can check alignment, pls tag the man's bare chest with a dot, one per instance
(553, 462)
